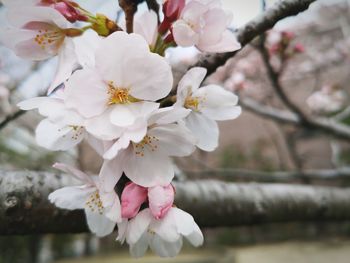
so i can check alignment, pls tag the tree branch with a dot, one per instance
(24, 208)
(11, 117)
(324, 125)
(254, 28)
(229, 174)
(129, 7)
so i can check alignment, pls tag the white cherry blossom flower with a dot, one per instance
(38, 33)
(328, 100)
(207, 104)
(121, 87)
(204, 24)
(147, 162)
(62, 128)
(164, 236)
(102, 208)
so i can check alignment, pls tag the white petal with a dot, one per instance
(219, 104)
(138, 249)
(165, 249)
(102, 128)
(57, 137)
(113, 54)
(149, 170)
(18, 17)
(122, 228)
(184, 35)
(126, 115)
(86, 93)
(110, 173)
(190, 83)
(81, 176)
(204, 129)
(32, 103)
(228, 43)
(138, 226)
(71, 197)
(122, 143)
(98, 223)
(146, 25)
(168, 115)
(137, 77)
(113, 211)
(85, 48)
(196, 237)
(66, 63)
(174, 139)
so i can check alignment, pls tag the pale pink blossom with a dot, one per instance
(62, 129)
(102, 208)
(208, 104)
(164, 236)
(204, 24)
(118, 91)
(328, 100)
(147, 162)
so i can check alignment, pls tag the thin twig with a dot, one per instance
(11, 117)
(129, 7)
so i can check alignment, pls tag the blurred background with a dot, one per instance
(312, 55)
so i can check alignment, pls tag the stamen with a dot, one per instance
(46, 37)
(148, 142)
(119, 95)
(94, 203)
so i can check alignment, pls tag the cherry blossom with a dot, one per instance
(204, 24)
(329, 99)
(161, 226)
(147, 162)
(102, 208)
(62, 128)
(118, 90)
(207, 104)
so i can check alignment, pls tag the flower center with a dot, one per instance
(193, 103)
(47, 37)
(94, 203)
(148, 142)
(119, 95)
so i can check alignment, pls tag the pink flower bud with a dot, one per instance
(172, 10)
(161, 199)
(69, 12)
(288, 35)
(299, 48)
(132, 198)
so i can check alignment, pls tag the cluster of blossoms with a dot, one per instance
(280, 43)
(110, 89)
(328, 100)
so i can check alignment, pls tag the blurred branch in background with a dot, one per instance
(25, 209)
(325, 125)
(254, 28)
(333, 176)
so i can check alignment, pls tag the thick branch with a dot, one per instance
(254, 28)
(24, 208)
(324, 125)
(228, 174)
